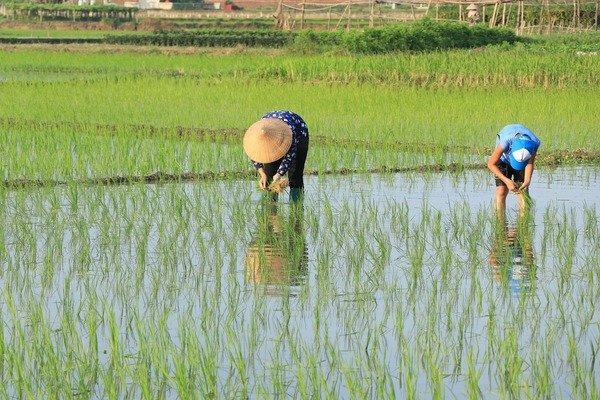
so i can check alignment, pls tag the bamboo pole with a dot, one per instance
(279, 15)
(542, 13)
(349, 15)
(342, 16)
(428, 5)
(518, 17)
(522, 19)
(522, 16)
(549, 22)
(494, 16)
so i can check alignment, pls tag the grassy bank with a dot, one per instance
(90, 106)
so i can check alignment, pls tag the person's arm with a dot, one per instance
(491, 164)
(261, 173)
(528, 173)
(257, 165)
(287, 160)
(263, 178)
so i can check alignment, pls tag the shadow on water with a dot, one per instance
(277, 256)
(511, 257)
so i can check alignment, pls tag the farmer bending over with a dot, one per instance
(512, 162)
(278, 144)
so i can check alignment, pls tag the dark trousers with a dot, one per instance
(296, 171)
(511, 173)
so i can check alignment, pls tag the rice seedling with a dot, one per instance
(279, 185)
(140, 290)
(43, 132)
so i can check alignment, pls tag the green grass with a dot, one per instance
(58, 33)
(393, 286)
(64, 115)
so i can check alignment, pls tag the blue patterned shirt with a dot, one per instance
(299, 131)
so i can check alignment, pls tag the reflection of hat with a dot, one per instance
(267, 140)
(520, 152)
(270, 265)
(266, 266)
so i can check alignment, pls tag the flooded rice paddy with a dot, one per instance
(377, 286)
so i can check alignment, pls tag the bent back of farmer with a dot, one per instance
(512, 162)
(277, 145)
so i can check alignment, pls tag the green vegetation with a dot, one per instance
(558, 14)
(204, 38)
(423, 35)
(69, 12)
(144, 291)
(52, 33)
(377, 286)
(440, 103)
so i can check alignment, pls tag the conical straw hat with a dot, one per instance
(267, 140)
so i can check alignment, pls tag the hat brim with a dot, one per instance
(517, 165)
(521, 144)
(267, 140)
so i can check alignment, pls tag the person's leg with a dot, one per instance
(296, 172)
(500, 201)
(501, 192)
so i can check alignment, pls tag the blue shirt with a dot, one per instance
(509, 133)
(299, 131)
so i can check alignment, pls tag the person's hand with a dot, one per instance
(524, 186)
(276, 177)
(262, 182)
(512, 187)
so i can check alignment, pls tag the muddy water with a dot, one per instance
(572, 187)
(521, 284)
(374, 280)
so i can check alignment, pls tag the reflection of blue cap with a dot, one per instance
(520, 152)
(518, 279)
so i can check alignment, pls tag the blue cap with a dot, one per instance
(521, 151)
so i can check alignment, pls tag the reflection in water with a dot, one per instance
(511, 258)
(277, 256)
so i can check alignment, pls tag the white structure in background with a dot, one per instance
(86, 2)
(149, 4)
